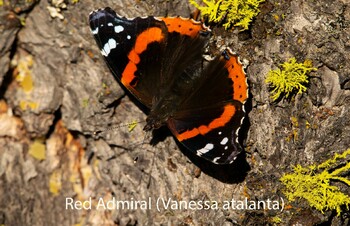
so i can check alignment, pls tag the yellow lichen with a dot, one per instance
(313, 183)
(37, 150)
(307, 125)
(276, 220)
(294, 121)
(55, 182)
(85, 103)
(232, 12)
(291, 78)
(132, 125)
(24, 70)
(24, 105)
(294, 134)
(22, 73)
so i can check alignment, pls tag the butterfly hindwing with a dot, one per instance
(209, 120)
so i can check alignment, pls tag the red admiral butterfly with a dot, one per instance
(159, 60)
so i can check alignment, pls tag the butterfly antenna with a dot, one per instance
(131, 126)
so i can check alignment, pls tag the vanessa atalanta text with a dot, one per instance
(159, 60)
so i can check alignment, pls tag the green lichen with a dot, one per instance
(290, 79)
(313, 183)
(232, 12)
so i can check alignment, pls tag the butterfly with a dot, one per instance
(159, 60)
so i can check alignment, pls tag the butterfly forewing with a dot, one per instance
(124, 42)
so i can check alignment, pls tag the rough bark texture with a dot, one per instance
(58, 92)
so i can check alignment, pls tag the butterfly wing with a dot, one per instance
(209, 120)
(123, 43)
(146, 54)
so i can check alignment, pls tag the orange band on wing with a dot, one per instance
(239, 79)
(134, 57)
(153, 34)
(129, 74)
(183, 26)
(225, 117)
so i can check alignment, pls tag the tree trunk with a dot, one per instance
(66, 136)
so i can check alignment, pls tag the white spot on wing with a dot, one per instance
(233, 159)
(110, 25)
(95, 32)
(118, 29)
(111, 44)
(103, 52)
(128, 37)
(224, 141)
(204, 150)
(215, 160)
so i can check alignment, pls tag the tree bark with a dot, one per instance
(65, 122)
